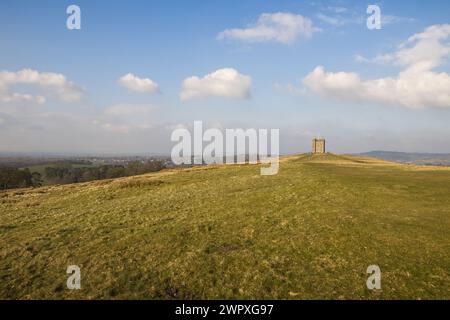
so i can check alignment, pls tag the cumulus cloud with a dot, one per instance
(134, 83)
(128, 109)
(54, 84)
(422, 51)
(226, 82)
(279, 27)
(416, 86)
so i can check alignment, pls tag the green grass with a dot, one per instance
(228, 232)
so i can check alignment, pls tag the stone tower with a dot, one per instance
(318, 146)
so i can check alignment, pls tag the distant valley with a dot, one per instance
(435, 159)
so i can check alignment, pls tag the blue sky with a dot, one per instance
(168, 42)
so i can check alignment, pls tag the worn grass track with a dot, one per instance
(227, 232)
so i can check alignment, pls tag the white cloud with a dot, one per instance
(134, 83)
(279, 27)
(119, 128)
(290, 89)
(416, 86)
(54, 84)
(10, 97)
(408, 89)
(360, 58)
(128, 109)
(425, 50)
(226, 82)
(422, 51)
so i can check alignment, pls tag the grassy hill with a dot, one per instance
(227, 232)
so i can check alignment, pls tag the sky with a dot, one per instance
(137, 70)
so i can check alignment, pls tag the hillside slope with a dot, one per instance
(226, 232)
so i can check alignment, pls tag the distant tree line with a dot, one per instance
(63, 173)
(11, 178)
(23, 162)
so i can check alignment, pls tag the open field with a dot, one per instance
(40, 168)
(227, 232)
